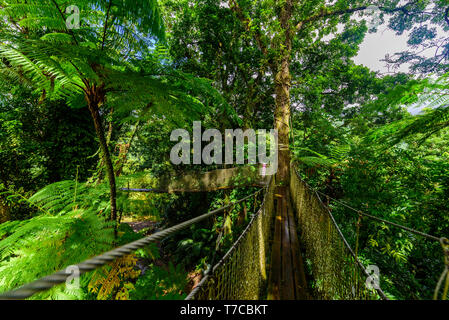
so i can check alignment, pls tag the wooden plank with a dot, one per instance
(287, 276)
(287, 285)
(275, 264)
(300, 282)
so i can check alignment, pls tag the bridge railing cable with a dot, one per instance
(337, 272)
(242, 272)
(443, 241)
(62, 276)
(369, 216)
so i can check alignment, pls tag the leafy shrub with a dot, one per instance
(161, 284)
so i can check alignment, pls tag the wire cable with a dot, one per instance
(62, 276)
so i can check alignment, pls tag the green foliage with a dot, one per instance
(62, 197)
(312, 161)
(218, 48)
(45, 244)
(433, 97)
(351, 134)
(203, 243)
(161, 284)
(95, 55)
(30, 132)
(407, 184)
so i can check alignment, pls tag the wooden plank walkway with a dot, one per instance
(287, 277)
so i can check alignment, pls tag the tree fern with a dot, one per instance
(103, 64)
(70, 227)
(63, 197)
(45, 244)
(300, 155)
(430, 95)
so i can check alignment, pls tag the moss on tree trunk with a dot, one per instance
(106, 156)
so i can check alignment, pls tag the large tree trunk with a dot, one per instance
(93, 108)
(283, 43)
(282, 120)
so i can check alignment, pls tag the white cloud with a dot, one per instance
(377, 45)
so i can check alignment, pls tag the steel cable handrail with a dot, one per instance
(442, 240)
(210, 271)
(91, 264)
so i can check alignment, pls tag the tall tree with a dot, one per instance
(47, 47)
(279, 26)
(108, 61)
(219, 48)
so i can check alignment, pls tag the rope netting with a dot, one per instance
(337, 273)
(91, 264)
(430, 258)
(242, 272)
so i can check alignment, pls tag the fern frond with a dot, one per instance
(315, 161)
(42, 245)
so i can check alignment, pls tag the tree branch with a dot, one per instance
(233, 5)
(106, 24)
(325, 13)
(446, 15)
(63, 20)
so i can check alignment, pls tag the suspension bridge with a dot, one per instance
(267, 259)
